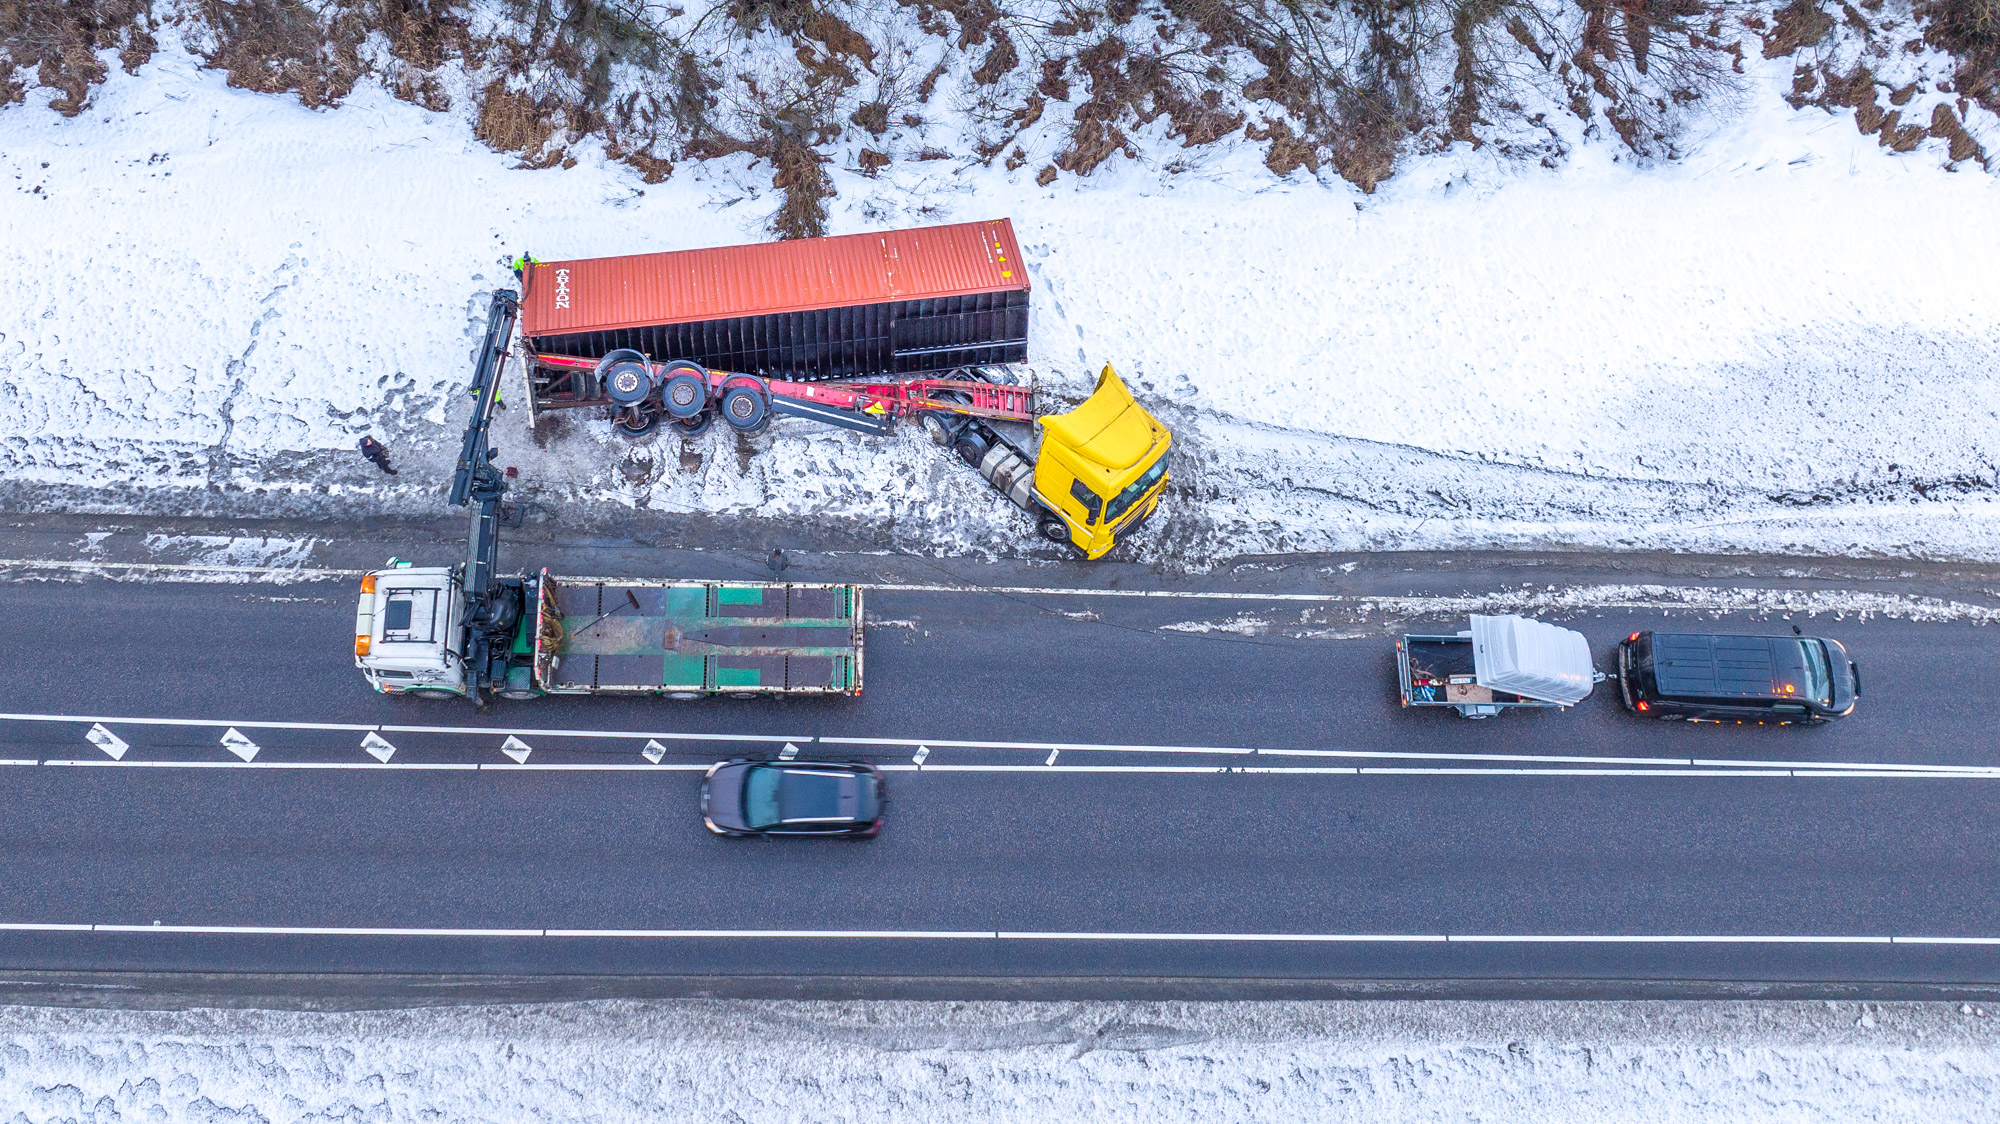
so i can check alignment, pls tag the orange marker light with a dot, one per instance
(1642, 705)
(368, 583)
(361, 645)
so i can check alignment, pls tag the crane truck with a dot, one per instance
(466, 630)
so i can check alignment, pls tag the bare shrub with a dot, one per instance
(512, 121)
(60, 41)
(801, 175)
(274, 46)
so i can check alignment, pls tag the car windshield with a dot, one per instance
(1819, 673)
(1138, 488)
(760, 797)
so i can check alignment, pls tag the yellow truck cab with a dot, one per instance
(1101, 467)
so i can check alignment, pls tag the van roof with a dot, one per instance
(1705, 665)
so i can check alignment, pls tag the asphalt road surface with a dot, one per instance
(1080, 786)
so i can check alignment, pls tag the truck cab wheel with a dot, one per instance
(432, 693)
(935, 428)
(1053, 529)
(518, 695)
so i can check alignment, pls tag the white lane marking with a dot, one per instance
(1401, 755)
(789, 752)
(517, 749)
(923, 751)
(1046, 768)
(378, 747)
(234, 741)
(653, 751)
(596, 767)
(765, 934)
(1038, 746)
(1082, 747)
(632, 734)
(385, 728)
(1014, 935)
(1052, 757)
(1273, 770)
(107, 741)
(355, 727)
(1689, 599)
(467, 767)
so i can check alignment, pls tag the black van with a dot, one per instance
(1708, 678)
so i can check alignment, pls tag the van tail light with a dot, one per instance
(1642, 706)
(1632, 639)
(360, 646)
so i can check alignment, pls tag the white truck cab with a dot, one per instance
(409, 632)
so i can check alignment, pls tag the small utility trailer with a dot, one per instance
(1499, 663)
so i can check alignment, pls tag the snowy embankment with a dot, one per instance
(1786, 342)
(1000, 1063)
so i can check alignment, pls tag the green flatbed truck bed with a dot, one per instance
(687, 639)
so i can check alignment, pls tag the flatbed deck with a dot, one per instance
(696, 638)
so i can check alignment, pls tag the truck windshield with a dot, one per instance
(760, 797)
(1136, 490)
(1819, 673)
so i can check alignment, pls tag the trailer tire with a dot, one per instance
(625, 375)
(684, 696)
(696, 425)
(685, 392)
(519, 694)
(1052, 528)
(936, 428)
(649, 427)
(744, 406)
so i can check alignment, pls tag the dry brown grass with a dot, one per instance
(275, 46)
(60, 39)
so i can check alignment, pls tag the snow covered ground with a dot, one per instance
(1786, 342)
(997, 1063)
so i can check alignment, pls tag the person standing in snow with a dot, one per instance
(379, 453)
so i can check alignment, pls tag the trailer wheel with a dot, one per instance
(696, 425)
(638, 424)
(935, 427)
(1053, 529)
(685, 392)
(519, 694)
(684, 696)
(743, 407)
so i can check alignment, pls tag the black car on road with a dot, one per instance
(793, 798)
(1703, 677)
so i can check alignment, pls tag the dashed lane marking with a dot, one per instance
(654, 750)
